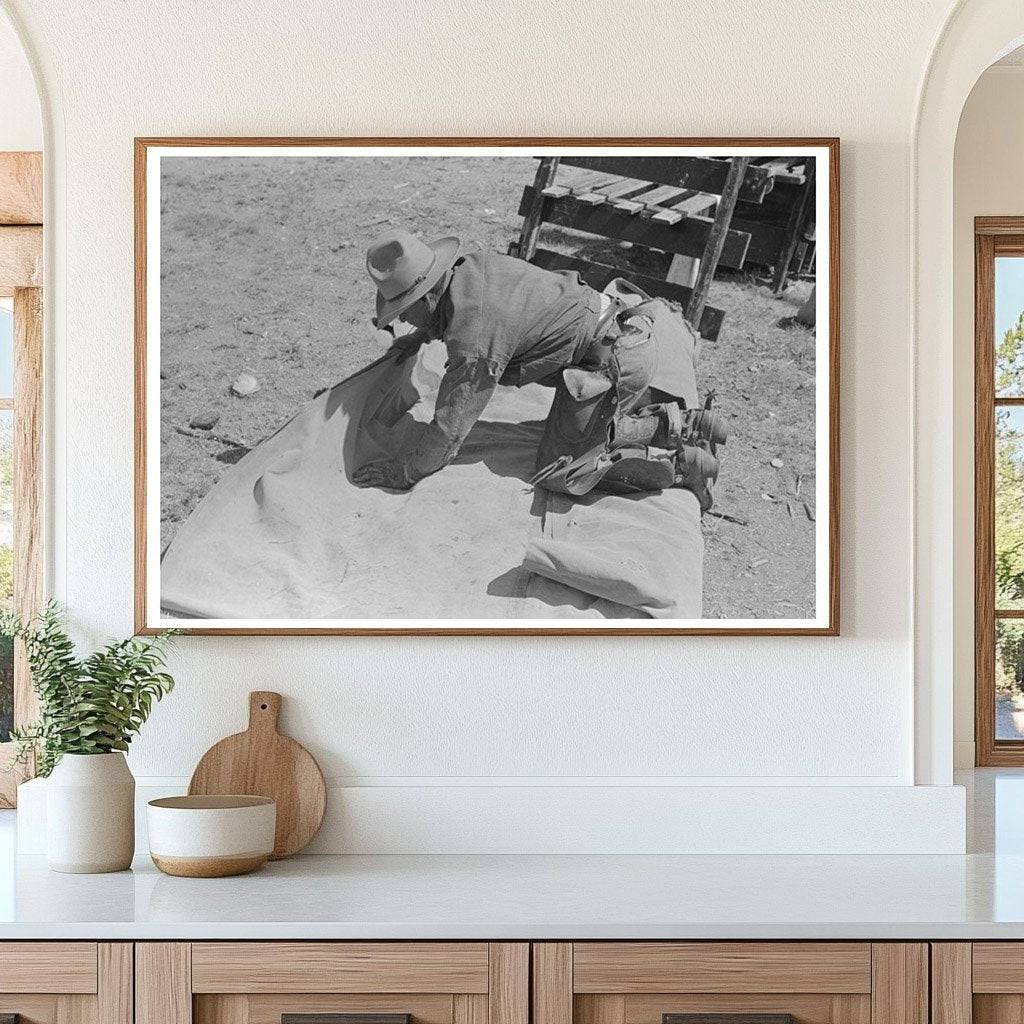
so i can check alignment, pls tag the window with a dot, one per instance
(21, 366)
(999, 490)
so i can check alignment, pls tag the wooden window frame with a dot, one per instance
(21, 270)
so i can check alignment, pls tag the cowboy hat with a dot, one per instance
(404, 268)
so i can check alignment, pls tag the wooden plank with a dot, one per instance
(21, 188)
(951, 985)
(722, 967)
(552, 983)
(66, 967)
(508, 991)
(899, 983)
(660, 196)
(597, 275)
(115, 996)
(339, 967)
(21, 257)
(703, 174)
(467, 1009)
(624, 187)
(227, 1009)
(581, 185)
(531, 211)
(998, 967)
(687, 238)
(76, 1009)
(851, 1009)
(716, 240)
(797, 217)
(163, 983)
(600, 1009)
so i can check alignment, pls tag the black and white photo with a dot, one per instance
(463, 387)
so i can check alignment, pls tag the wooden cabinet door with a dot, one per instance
(979, 982)
(751, 982)
(66, 982)
(263, 982)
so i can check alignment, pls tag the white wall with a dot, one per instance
(988, 181)
(442, 713)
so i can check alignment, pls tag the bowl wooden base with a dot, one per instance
(210, 867)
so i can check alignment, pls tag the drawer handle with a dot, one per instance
(728, 1018)
(340, 1018)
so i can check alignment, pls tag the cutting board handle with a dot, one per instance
(264, 710)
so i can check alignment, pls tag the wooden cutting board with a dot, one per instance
(262, 762)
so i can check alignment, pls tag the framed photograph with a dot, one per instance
(487, 386)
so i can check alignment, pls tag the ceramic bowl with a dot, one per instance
(211, 836)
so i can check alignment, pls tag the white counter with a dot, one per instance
(980, 895)
(497, 897)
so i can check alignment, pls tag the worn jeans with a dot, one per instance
(608, 383)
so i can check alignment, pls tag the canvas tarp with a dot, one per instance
(285, 534)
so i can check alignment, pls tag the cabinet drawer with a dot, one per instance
(48, 967)
(747, 982)
(340, 967)
(260, 982)
(66, 982)
(634, 967)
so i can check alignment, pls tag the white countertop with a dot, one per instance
(532, 897)
(977, 896)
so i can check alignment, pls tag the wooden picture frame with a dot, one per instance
(825, 620)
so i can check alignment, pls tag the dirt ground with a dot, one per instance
(262, 273)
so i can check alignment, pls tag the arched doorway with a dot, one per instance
(975, 35)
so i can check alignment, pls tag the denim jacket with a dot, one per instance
(502, 321)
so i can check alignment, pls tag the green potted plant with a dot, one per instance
(89, 710)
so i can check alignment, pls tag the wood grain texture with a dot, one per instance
(262, 762)
(754, 967)
(76, 1009)
(508, 990)
(48, 967)
(600, 1009)
(899, 983)
(144, 143)
(851, 1009)
(32, 1009)
(998, 967)
(21, 188)
(998, 1009)
(262, 1008)
(163, 983)
(467, 1009)
(115, 983)
(339, 967)
(951, 983)
(225, 1009)
(552, 983)
(815, 1008)
(984, 503)
(21, 258)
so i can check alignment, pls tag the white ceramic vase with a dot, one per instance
(90, 814)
